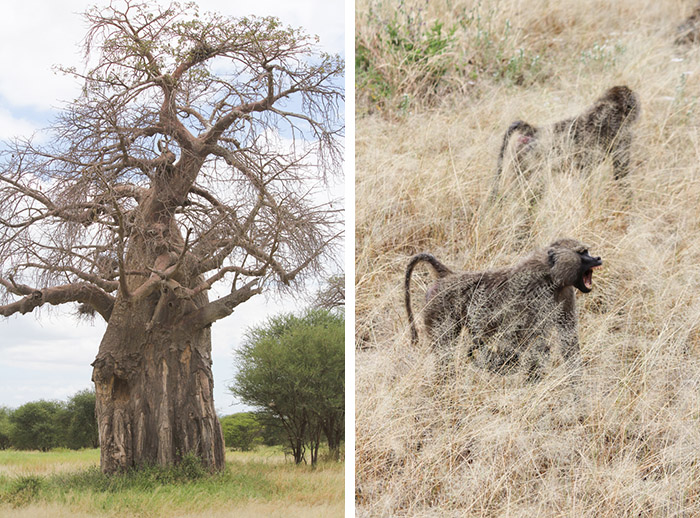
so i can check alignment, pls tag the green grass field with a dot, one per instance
(65, 483)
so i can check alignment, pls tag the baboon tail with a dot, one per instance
(516, 126)
(441, 271)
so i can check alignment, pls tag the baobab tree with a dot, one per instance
(196, 156)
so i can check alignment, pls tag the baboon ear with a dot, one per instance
(551, 258)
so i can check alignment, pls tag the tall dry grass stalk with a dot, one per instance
(625, 439)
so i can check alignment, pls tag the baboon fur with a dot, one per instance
(511, 311)
(604, 129)
(689, 31)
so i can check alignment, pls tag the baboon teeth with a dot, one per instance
(588, 277)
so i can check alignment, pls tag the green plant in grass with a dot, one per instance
(22, 490)
(602, 55)
(404, 58)
(409, 40)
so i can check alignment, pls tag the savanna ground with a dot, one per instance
(65, 484)
(438, 84)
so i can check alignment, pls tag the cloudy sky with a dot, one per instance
(49, 356)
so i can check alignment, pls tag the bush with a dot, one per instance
(82, 425)
(293, 369)
(36, 426)
(242, 431)
(406, 56)
(5, 428)
(23, 490)
(42, 425)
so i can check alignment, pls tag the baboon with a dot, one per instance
(510, 310)
(605, 129)
(689, 30)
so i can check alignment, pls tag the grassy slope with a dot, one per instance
(626, 440)
(67, 484)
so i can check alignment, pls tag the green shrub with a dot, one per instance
(36, 426)
(82, 423)
(23, 490)
(5, 428)
(401, 56)
(242, 431)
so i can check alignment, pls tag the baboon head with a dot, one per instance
(626, 101)
(572, 265)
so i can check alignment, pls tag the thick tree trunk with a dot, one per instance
(154, 392)
(152, 375)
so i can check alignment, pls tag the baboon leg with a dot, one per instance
(621, 158)
(444, 341)
(568, 335)
(477, 344)
(445, 369)
(501, 361)
(535, 359)
(501, 355)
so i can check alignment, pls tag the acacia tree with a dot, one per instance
(167, 176)
(293, 370)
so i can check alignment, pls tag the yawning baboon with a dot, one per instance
(511, 310)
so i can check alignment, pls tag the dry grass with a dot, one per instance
(261, 483)
(625, 441)
(249, 510)
(16, 463)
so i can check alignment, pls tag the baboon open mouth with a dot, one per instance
(588, 278)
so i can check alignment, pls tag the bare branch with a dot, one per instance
(222, 307)
(166, 174)
(82, 292)
(332, 294)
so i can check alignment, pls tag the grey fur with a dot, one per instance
(511, 310)
(604, 129)
(689, 31)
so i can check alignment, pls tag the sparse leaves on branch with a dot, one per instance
(332, 294)
(206, 137)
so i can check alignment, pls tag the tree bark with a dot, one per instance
(333, 427)
(154, 390)
(152, 375)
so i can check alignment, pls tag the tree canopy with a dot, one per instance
(293, 370)
(228, 124)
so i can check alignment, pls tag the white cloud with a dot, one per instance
(34, 36)
(45, 358)
(12, 126)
